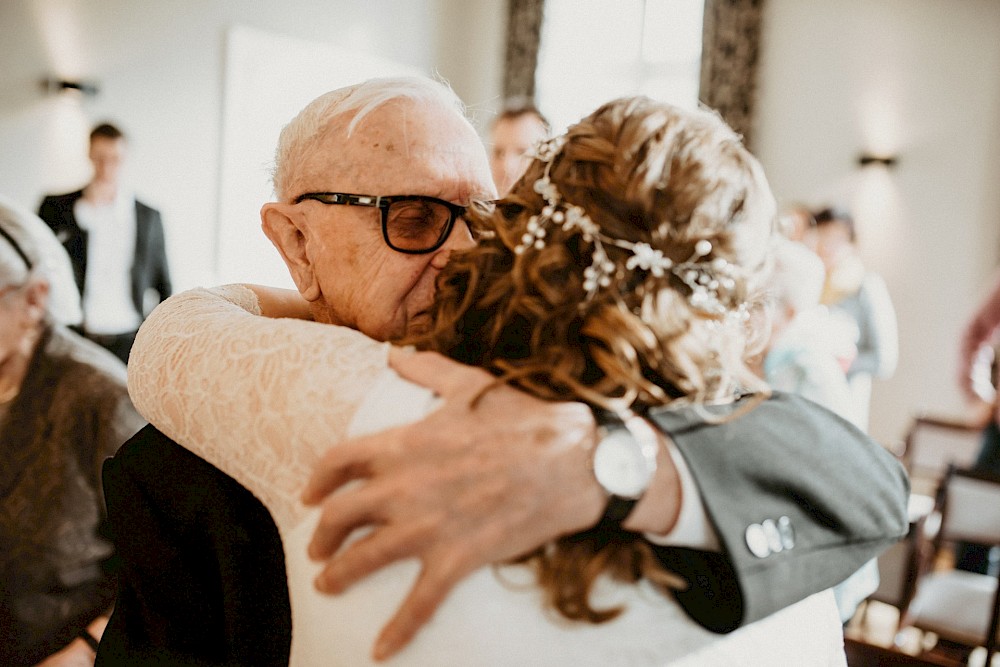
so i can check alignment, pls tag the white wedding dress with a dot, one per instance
(262, 399)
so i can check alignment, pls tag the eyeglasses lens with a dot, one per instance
(417, 225)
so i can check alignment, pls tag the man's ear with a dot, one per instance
(36, 299)
(287, 230)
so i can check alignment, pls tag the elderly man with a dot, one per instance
(203, 572)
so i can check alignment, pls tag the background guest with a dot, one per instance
(63, 409)
(116, 245)
(806, 357)
(807, 344)
(978, 380)
(862, 295)
(796, 221)
(518, 127)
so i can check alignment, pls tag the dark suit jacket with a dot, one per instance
(202, 573)
(149, 265)
(204, 580)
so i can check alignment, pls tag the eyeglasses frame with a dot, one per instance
(382, 203)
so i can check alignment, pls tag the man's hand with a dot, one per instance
(461, 489)
(75, 654)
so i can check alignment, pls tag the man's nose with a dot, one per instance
(459, 239)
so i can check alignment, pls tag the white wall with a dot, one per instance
(918, 78)
(160, 66)
(469, 53)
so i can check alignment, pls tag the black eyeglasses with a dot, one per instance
(17, 248)
(414, 224)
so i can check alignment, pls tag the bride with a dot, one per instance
(620, 271)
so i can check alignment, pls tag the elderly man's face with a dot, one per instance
(402, 148)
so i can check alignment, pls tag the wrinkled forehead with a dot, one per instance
(107, 144)
(403, 147)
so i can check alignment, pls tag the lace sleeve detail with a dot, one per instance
(261, 399)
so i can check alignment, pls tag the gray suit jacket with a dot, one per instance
(799, 497)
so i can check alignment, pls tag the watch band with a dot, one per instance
(615, 512)
(91, 640)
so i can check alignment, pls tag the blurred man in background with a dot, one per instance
(518, 127)
(116, 244)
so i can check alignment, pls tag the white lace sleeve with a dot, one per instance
(261, 399)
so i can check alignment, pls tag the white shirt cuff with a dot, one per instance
(693, 528)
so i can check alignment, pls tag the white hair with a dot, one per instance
(299, 137)
(797, 276)
(48, 259)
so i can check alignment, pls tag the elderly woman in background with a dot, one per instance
(64, 408)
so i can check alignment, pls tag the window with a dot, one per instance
(593, 51)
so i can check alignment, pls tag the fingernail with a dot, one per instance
(383, 649)
(323, 585)
(328, 584)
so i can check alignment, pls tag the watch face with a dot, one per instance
(622, 465)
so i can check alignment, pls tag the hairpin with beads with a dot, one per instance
(710, 281)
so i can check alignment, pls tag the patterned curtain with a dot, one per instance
(524, 32)
(731, 46)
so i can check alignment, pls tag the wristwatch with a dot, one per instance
(624, 463)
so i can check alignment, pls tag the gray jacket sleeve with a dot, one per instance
(799, 497)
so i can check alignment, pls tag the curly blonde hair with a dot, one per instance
(643, 171)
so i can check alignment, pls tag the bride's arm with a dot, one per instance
(279, 302)
(259, 398)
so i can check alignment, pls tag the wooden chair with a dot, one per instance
(898, 565)
(896, 568)
(961, 608)
(860, 654)
(934, 443)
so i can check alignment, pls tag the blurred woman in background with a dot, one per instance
(64, 408)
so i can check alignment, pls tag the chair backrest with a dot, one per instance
(970, 507)
(933, 444)
(862, 654)
(896, 568)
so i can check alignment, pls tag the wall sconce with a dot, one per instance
(866, 159)
(55, 86)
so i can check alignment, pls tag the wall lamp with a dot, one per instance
(55, 86)
(866, 159)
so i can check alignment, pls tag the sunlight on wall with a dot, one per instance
(876, 200)
(880, 122)
(60, 29)
(44, 147)
(64, 151)
(878, 210)
(593, 51)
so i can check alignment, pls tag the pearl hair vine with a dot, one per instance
(710, 281)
